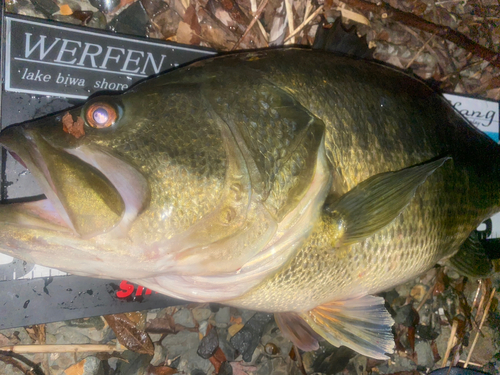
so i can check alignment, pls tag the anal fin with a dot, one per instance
(294, 328)
(362, 324)
(471, 259)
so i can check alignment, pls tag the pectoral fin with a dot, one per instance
(377, 201)
(471, 259)
(362, 324)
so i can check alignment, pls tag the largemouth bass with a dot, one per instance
(291, 181)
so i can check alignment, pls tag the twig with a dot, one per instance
(426, 296)
(451, 342)
(487, 308)
(353, 16)
(419, 51)
(300, 363)
(478, 290)
(471, 363)
(305, 23)
(309, 7)
(253, 9)
(289, 16)
(252, 22)
(22, 349)
(11, 361)
(409, 19)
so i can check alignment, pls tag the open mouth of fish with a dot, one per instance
(88, 191)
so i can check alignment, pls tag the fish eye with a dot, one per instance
(101, 115)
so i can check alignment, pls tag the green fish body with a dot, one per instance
(291, 181)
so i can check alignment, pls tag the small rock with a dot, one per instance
(485, 346)
(424, 354)
(47, 7)
(452, 274)
(222, 317)
(66, 19)
(246, 315)
(208, 344)
(105, 6)
(278, 366)
(203, 328)
(418, 292)
(73, 335)
(133, 363)
(60, 361)
(133, 20)
(234, 329)
(407, 316)
(390, 296)
(201, 313)
(428, 332)
(271, 349)
(184, 344)
(403, 290)
(226, 369)
(98, 21)
(159, 356)
(155, 337)
(184, 318)
(225, 346)
(247, 339)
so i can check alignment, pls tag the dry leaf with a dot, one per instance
(138, 318)
(235, 320)
(217, 359)
(76, 369)
(65, 10)
(31, 333)
(4, 341)
(129, 335)
(164, 325)
(161, 370)
(240, 369)
(189, 29)
(184, 33)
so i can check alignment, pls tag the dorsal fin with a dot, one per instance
(336, 38)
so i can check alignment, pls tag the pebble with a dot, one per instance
(155, 337)
(184, 318)
(208, 344)
(485, 346)
(406, 315)
(47, 7)
(247, 339)
(226, 369)
(133, 20)
(159, 356)
(424, 354)
(223, 316)
(235, 329)
(73, 335)
(98, 21)
(201, 313)
(105, 6)
(230, 352)
(88, 366)
(133, 363)
(179, 345)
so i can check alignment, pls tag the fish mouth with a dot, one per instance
(89, 191)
